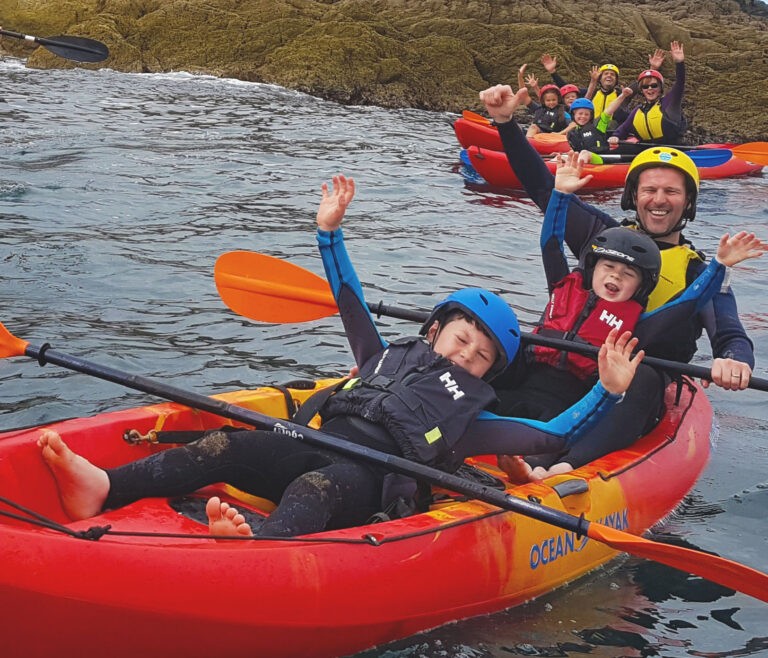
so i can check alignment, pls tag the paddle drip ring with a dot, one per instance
(41, 353)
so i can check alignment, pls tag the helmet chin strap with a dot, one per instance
(677, 227)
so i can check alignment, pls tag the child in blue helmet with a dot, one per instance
(422, 398)
(587, 134)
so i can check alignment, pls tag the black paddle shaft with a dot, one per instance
(487, 494)
(675, 367)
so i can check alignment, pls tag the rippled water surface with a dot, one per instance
(117, 194)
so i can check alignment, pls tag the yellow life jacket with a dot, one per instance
(601, 100)
(673, 275)
(647, 125)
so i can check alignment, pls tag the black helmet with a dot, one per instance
(625, 245)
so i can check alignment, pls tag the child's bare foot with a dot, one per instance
(517, 469)
(539, 473)
(83, 487)
(223, 519)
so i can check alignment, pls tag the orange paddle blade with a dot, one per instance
(756, 152)
(550, 138)
(474, 116)
(10, 345)
(712, 567)
(268, 289)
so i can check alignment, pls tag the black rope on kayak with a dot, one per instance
(97, 532)
(34, 518)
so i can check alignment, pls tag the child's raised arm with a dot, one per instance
(334, 204)
(742, 246)
(615, 362)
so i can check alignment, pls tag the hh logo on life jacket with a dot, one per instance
(451, 386)
(611, 320)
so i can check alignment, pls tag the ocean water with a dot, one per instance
(117, 194)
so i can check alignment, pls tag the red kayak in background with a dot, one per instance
(495, 169)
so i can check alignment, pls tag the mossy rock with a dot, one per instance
(434, 54)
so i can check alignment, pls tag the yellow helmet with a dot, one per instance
(662, 156)
(609, 67)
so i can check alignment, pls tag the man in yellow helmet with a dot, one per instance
(662, 188)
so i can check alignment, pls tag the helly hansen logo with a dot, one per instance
(611, 320)
(451, 386)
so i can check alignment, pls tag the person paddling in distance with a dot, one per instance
(604, 86)
(550, 116)
(610, 288)
(587, 134)
(662, 190)
(419, 397)
(659, 119)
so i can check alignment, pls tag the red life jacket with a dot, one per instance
(577, 314)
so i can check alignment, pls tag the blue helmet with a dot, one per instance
(492, 313)
(583, 104)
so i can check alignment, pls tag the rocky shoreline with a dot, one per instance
(431, 54)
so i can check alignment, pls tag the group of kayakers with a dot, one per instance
(464, 387)
(606, 118)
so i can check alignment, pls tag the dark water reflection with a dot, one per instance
(117, 194)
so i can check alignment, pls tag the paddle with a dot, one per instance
(756, 152)
(717, 569)
(703, 158)
(474, 116)
(267, 289)
(78, 49)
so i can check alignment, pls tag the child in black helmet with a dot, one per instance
(609, 289)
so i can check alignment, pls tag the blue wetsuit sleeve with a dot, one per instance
(726, 334)
(552, 236)
(491, 434)
(691, 301)
(363, 337)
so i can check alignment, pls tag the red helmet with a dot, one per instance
(651, 73)
(567, 89)
(549, 87)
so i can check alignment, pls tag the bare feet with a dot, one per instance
(539, 473)
(517, 469)
(223, 519)
(83, 487)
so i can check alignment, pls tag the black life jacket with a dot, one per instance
(588, 137)
(424, 402)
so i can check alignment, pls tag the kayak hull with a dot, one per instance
(155, 585)
(484, 135)
(495, 169)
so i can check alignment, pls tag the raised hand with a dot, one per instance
(740, 247)
(676, 51)
(549, 62)
(501, 101)
(656, 59)
(615, 362)
(568, 175)
(334, 204)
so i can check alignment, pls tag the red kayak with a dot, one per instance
(144, 581)
(494, 167)
(484, 135)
